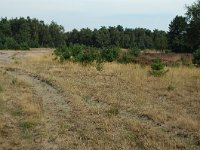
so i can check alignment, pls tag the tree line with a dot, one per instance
(183, 34)
(35, 33)
(119, 37)
(26, 32)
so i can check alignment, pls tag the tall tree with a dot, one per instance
(193, 31)
(114, 36)
(57, 34)
(85, 36)
(102, 37)
(177, 34)
(160, 40)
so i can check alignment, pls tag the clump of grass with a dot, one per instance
(99, 66)
(18, 112)
(4, 72)
(186, 62)
(125, 58)
(197, 101)
(16, 61)
(14, 81)
(1, 89)
(26, 125)
(26, 128)
(99, 62)
(171, 87)
(113, 111)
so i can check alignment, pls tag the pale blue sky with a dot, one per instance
(71, 14)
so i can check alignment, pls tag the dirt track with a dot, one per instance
(55, 106)
(54, 103)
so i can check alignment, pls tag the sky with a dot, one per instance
(151, 14)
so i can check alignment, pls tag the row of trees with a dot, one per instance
(26, 32)
(35, 33)
(120, 37)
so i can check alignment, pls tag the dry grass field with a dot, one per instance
(45, 104)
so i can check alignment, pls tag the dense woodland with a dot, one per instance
(183, 34)
(35, 33)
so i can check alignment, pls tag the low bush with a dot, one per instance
(77, 53)
(157, 68)
(196, 57)
(135, 51)
(24, 46)
(157, 64)
(110, 54)
(63, 53)
(83, 54)
(86, 55)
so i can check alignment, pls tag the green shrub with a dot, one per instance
(135, 51)
(76, 49)
(110, 54)
(24, 46)
(157, 68)
(157, 64)
(63, 53)
(79, 53)
(86, 56)
(196, 57)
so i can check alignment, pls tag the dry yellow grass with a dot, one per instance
(20, 114)
(122, 107)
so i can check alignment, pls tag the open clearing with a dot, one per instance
(45, 104)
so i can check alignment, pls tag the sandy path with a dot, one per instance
(55, 107)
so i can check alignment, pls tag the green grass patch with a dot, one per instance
(113, 111)
(1, 89)
(26, 125)
(18, 112)
(171, 87)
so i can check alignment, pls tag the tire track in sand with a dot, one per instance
(55, 107)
